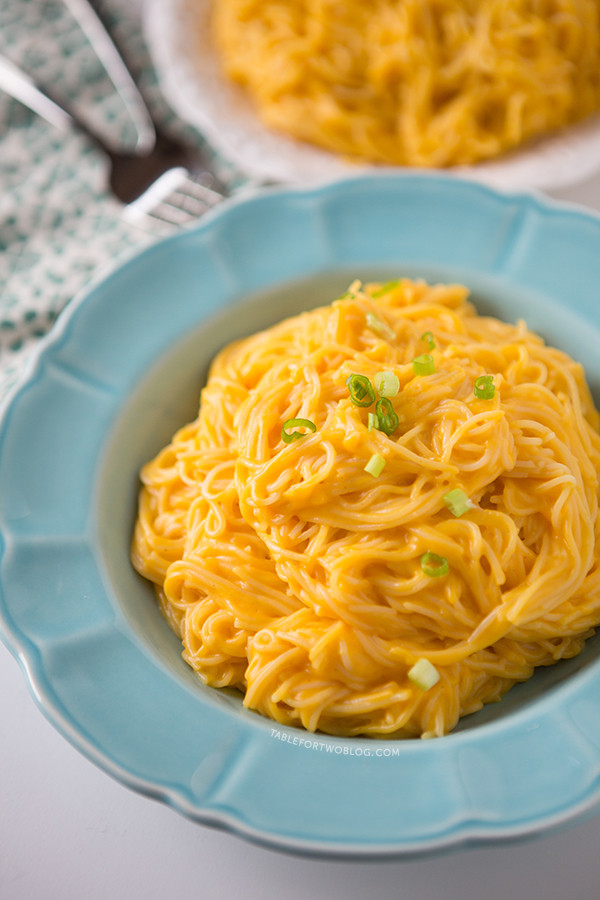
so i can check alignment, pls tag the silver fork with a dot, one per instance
(162, 183)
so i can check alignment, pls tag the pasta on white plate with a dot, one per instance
(428, 83)
(385, 514)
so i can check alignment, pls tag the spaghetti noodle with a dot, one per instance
(362, 545)
(414, 82)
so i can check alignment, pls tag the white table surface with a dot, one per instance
(70, 832)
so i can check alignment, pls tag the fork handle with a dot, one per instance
(21, 87)
(115, 66)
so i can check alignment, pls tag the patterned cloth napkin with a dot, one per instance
(59, 225)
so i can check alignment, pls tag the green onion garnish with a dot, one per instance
(387, 420)
(423, 365)
(385, 288)
(424, 674)
(361, 390)
(428, 336)
(375, 465)
(387, 384)
(289, 436)
(457, 502)
(434, 566)
(372, 421)
(484, 387)
(379, 327)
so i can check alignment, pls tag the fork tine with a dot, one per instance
(180, 207)
(194, 196)
(197, 188)
(172, 216)
(175, 199)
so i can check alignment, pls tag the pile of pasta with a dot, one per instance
(429, 83)
(385, 514)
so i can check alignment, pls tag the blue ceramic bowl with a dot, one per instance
(121, 371)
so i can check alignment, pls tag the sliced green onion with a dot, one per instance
(372, 421)
(457, 502)
(434, 566)
(384, 418)
(428, 336)
(387, 420)
(361, 390)
(484, 387)
(424, 674)
(288, 436)
(385, 288)
(423, 365)
(380, 327)
(375, 465)
(387, 384)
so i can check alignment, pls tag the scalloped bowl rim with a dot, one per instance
(348, 195)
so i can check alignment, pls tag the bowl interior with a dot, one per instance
(167, 397)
